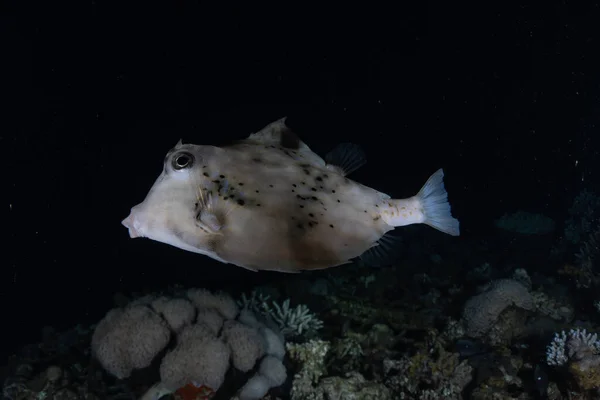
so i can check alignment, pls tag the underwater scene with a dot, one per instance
(248, 203)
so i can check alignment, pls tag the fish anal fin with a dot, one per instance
(347, 156)
(384, 252)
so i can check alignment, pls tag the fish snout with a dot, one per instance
(132, 223)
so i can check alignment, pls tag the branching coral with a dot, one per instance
(292, 321)
(431, 373)
(311, 358)
(580, 352)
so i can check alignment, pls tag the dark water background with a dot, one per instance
(505, 99)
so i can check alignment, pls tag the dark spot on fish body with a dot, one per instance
(338, 201)
(222, 176)
(257, 204)
(313, 189)
(301, 206)
(257, 160)
(311, 215)
(331, 225)
(318, 178)
(294, 185)
(377, 218)
(241, 183)
(332, 191)
(241, 202)
(270, 186)
(307, 172)
(314, 198)
(257, 191)
(205, 174)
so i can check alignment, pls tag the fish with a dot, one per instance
(268, 202)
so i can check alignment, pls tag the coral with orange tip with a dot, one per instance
(193, 392)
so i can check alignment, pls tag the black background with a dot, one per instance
(504, 99)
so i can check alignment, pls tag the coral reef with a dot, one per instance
(501, 299)
(580, 352)
(340, 334)
(431, 373)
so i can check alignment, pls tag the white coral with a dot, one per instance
(292, 321)
(555, 352)
(577, 344)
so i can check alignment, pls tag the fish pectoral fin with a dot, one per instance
(384, 252)
(347, 156)
(209, 222)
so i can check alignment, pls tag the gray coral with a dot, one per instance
(482, 311)
(199, 358)
(207, 340)
(128, 339)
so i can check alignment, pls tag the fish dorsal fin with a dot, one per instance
(347, 157)
(278, 134)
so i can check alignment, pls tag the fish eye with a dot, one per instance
(182, 160)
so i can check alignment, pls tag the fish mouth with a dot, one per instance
(129, 223)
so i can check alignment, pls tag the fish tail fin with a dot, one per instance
(435, 206)
(430, 206)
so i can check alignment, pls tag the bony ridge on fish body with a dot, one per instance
(270, 203)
